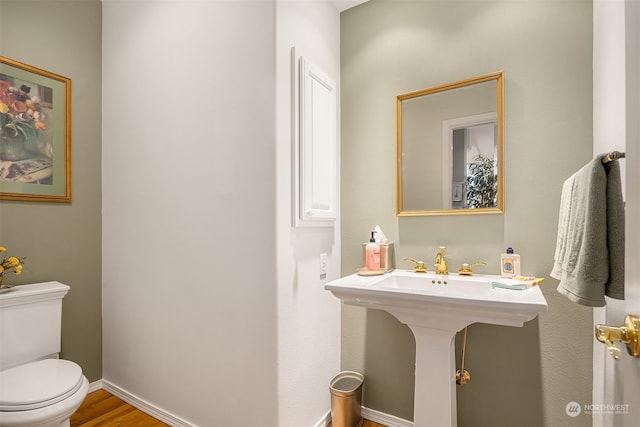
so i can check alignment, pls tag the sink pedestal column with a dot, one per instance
(434, 403)
(435, 385)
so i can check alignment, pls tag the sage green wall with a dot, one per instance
(519, 376)
(62, 242)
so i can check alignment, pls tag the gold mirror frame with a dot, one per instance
(498, 77)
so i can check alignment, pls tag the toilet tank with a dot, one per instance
(30, 322)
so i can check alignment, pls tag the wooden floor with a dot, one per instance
(368, 423)
(102, 409)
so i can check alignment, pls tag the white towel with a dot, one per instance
(515, 284)
(589, 257)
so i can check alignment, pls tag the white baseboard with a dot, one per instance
(94, 386)
(325, 421)
(172, 420)
(145, 406)
(385, 419)
(372, 415)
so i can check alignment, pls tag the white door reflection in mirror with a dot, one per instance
(463, 140)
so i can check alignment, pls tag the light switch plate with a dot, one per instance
(323, 265)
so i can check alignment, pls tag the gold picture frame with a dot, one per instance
(35, 134)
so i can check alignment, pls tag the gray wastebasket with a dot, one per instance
(346, 399)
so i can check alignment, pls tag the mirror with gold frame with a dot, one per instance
(450, 143)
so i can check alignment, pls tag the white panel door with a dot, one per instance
(616, 397)
(318, 146)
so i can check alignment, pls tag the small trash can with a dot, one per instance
(346, 399)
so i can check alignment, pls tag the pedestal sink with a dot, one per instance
(436, 307)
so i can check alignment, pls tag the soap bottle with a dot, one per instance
(509, 264)
(372, 254)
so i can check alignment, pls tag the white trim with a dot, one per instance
(371, 415)
(386, 419)
(145, 406)
(154, 411)
(95, 386)
(325, 421)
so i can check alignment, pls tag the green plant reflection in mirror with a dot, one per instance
(450, 148)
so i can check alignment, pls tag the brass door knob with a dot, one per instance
(627, 333)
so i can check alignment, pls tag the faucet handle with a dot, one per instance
(465, 269)
(419, 266)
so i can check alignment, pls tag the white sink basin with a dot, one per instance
(472, 298)
(436, 307)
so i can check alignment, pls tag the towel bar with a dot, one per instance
(614, 155)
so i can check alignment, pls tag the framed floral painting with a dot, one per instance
(35, 134)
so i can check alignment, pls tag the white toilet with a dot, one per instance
(36, 388)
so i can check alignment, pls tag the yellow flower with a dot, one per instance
(4, 108)
(9, 264)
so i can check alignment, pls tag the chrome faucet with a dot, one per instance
(441, 261)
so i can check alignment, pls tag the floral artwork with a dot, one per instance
(23, 136)
(35, 137)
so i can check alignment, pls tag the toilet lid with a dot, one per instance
(38, 384)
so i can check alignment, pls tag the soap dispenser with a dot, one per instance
(509, 264)
(372, 254)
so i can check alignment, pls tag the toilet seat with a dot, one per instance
(38, 384)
